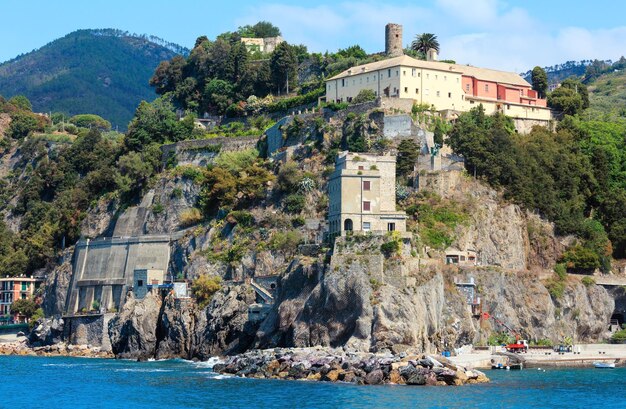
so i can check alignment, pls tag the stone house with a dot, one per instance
(265, 45)
(362, 193)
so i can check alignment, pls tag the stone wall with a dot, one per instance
(201, 151)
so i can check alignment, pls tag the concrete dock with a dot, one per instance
(583, 355)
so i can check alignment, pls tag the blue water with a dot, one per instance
(36, 382)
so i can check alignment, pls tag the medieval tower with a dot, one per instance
(393, 40)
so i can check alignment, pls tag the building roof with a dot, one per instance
(467, 70)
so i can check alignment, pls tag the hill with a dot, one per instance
(559, 72)
(105, 72)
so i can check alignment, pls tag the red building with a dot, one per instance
(15, 288)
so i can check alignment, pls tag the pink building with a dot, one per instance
(16, 288)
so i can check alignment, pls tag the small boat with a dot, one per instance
(604, 365)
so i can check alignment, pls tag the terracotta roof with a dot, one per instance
(406, 61)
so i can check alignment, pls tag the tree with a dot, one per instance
(365, 95)
(284, 66)
(565, 100)
(91, 121)
(21, 102)
(25, 307)
(540, 81)
(579, 88)
(262, 29)
(424, 42)
(408, 152)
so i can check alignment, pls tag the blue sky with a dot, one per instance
(508, 35)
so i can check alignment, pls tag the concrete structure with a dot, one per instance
(13, 289)
(103, 269)
(181, 290)
(393, 40)
(265, 45)
(145, 279)
(446, 86)
(468, 289)
(362, 192)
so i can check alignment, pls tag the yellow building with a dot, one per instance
(362, 192)
(443, 85)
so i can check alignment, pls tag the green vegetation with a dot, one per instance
(285, 241)
(499, 338)
(588, 281)
(424, 42)
(572, 177)
(619, 336)
(204, 287)
(365, 95)
(392, 247)
(91, 121)
(539, 79)
(104, 72)
(437, 218)
(236, 180)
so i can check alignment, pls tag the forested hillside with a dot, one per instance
(103, 72)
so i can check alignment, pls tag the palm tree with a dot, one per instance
(424, 42)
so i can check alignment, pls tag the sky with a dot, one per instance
(499, 34)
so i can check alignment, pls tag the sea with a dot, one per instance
(61, 382)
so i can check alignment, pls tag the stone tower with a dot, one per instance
(393, 40)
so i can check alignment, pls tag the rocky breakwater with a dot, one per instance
(22, 348)
(338, 366)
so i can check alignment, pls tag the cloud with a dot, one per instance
(489, 33)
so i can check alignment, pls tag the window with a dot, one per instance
(397, 73)
(436, 76)
(426, 91)
(457, 80)
(427, 76)
(366, 185)
(449, 95)
(521, 92)
(445, 78)
(467, 87)
(343, 82)
(367, 79)
(366, 206)
(367, 226)
(404, 73)
(486, 87)
(406, 90)
(437, 93)
(24, 286)
(419, 74)
(391, 226)
(139, 283)
(417, 90)
(360, 167)
(413, 72)
(353, 82)
(389, 73)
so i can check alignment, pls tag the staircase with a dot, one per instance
(262, 292)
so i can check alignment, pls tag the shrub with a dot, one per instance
(560, 271)
(619, 336)
(242, 218)
(95, 305)
(157, 208)
(391, 247)
(499, 338)
(298, 221)
(25, 307)
(556, 288)
(294, 203)
(289, 177)
(36, 317)
(189, 217)
(190, 172)
(365, 95)
(588, 281)
(177, 193)
(581, 258)
(285, 241)
(204, 287)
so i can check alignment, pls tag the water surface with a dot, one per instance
(59, 382)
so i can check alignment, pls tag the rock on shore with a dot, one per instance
(338, 366)
(22, 348)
